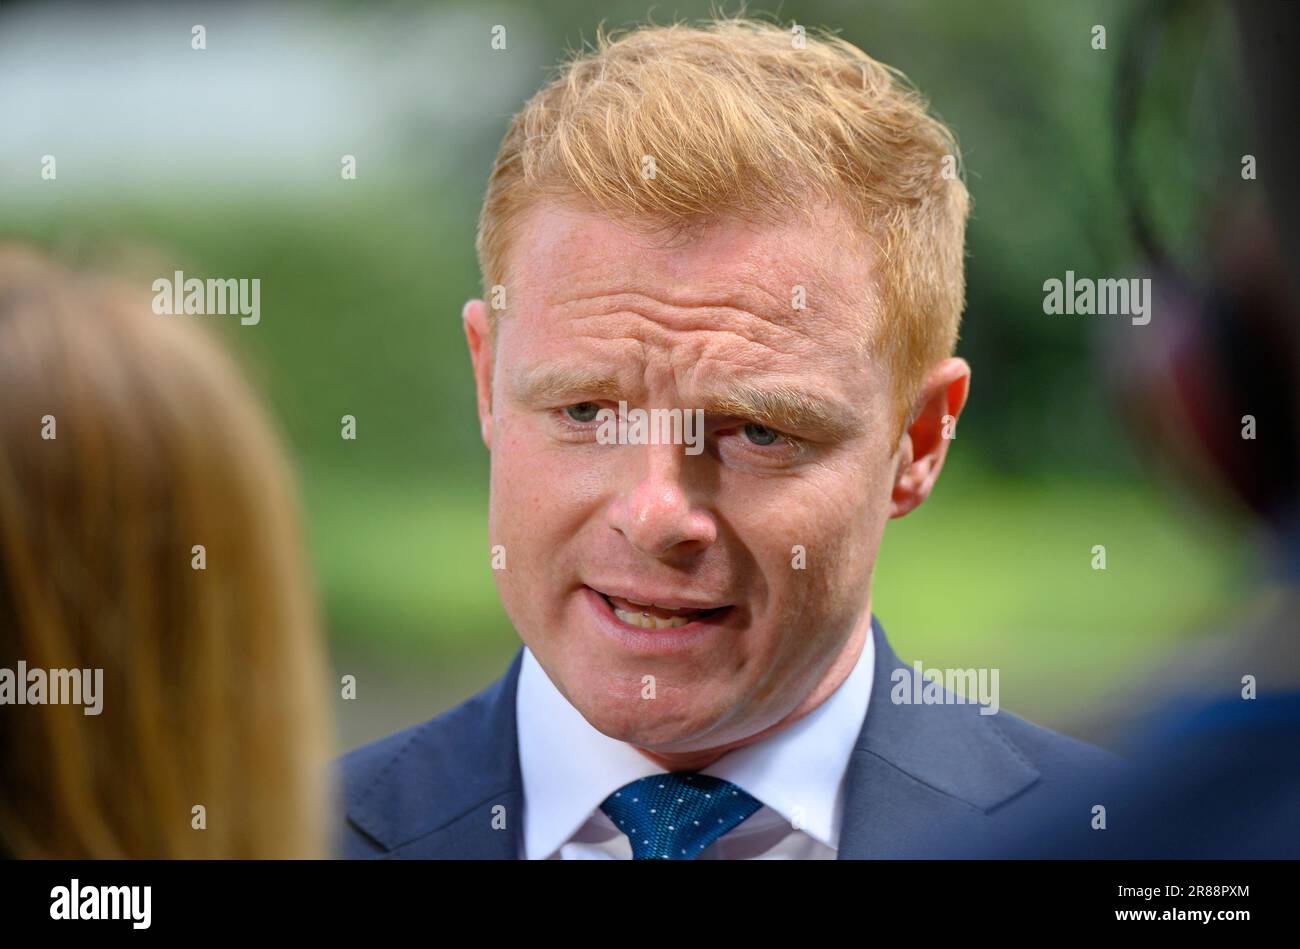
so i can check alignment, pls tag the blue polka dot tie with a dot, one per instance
(675, 816)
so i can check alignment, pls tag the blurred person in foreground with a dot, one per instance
(719, 220)
(126, 440)
(1211, 390)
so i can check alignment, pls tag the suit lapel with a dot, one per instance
(915, 767)
(453, 790)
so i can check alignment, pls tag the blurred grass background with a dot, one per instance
(363, 281)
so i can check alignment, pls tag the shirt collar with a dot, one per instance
(569, 767)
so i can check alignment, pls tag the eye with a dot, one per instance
(760, 434)
(583, 411)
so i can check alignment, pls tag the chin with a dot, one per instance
(655, 724)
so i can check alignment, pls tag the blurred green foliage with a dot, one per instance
(362, 288)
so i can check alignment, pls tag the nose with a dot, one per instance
(656, 514)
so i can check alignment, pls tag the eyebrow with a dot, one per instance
(781, 407)
(784, 408)
(547, 385)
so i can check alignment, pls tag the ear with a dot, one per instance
(475, 318)
(924, 445)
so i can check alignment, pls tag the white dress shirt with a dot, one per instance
(569, 768)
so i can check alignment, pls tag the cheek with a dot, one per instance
(528, 474)
(815, 541)
(542, 496)
(517, 513)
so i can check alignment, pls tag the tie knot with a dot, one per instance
(675, 816)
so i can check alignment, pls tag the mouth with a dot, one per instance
(646, 612)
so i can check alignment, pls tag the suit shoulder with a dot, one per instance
(442, 737)
(413, 782)
(359, 767)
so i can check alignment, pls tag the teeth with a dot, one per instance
(646, 621)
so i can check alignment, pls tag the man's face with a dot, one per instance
(798, 457)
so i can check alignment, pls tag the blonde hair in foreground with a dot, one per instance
(212, 691)
(743, 119)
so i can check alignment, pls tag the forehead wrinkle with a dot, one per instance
(751, 268)
(833, 314)
(752, 300)
(700, 270)
(655, 324)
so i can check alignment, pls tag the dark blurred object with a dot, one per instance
(1224, 347)
(1215, 762)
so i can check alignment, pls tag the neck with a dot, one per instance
(833, 678)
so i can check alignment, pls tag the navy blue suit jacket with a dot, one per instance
(433, 790)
